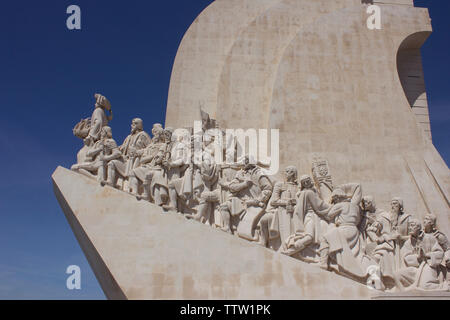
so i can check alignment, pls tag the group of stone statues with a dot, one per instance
(306, 218)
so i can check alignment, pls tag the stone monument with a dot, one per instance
(363, 208)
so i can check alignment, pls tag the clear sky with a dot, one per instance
(125, 50)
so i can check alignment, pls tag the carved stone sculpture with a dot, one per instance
(310, 223)
(132, 150)
(99, 155)
(341, 246)
(251, 191)
(319, 95)
(421, 258)
(394, 228)
(279, 221)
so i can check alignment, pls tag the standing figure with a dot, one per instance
(176, 163)
(310, 224)
(131, 149)
(207, 192)
(89, 129)
(99, 119)
(394, 234)
(421, 258)
(280, 221)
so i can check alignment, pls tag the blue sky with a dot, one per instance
(48, 76)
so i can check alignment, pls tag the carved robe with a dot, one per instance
(283, 221)
(139, 141)
(152, 171)
(259, 191)
(422, 270)
(389, 250)
(310, 210)
(346, 248)
(98, 121)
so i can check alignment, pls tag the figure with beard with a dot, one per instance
(421, 258)
(131, 149)
(279, 222)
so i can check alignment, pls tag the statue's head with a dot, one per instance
(106, 133)
(397, 205)
(306, 182)
(290, 173)
(168, 132)
(429, 222)
(158, 132)
(137, 125)
(368, 203)
(102, 102)
(414, 227)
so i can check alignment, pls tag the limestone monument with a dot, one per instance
(357, 206)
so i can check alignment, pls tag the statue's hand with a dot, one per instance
(252, 202)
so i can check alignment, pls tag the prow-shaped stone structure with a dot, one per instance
(137, 251)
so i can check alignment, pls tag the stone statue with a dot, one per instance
(307, 219)
(430, 227)
(207, 193)
(132, 150)
(150, 171)
(394, 229)
(341, 248)
(251, 191)
(99, 155)
(99, 119)
(89, 129)
(279, 222)
(176, 163)
(369, 225)
(421, 258)
(310, 224)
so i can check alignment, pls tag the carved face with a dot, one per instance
(103, 134)
(428, 223)
(158, 134)
(290, 173)
(368, 205)
(414, 228)
(136, 125)
(307, 183)
(167, 135)
(395, 206)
